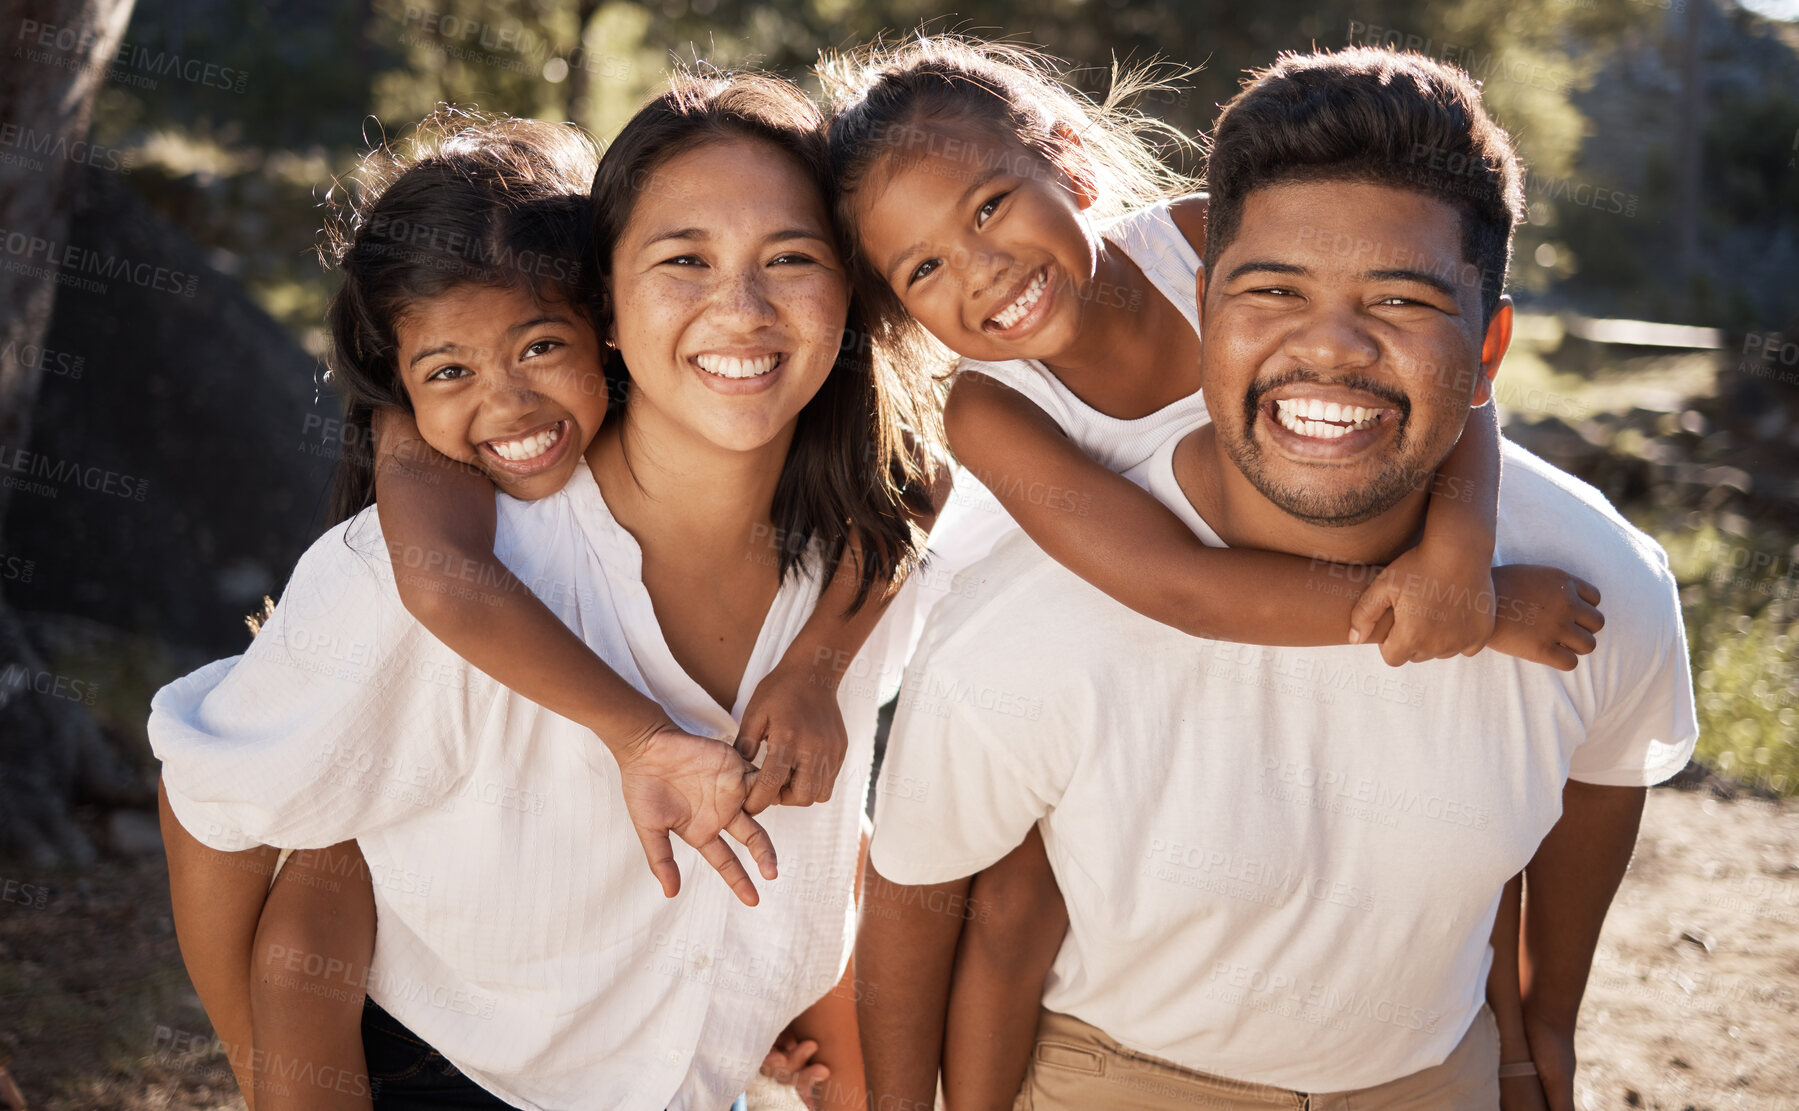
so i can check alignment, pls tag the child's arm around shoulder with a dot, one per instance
(1441, 591)
(1118, 537)
(793, 715)
(439, 519)
(1445, 595)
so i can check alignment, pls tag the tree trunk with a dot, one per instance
(61, 51)
(1689, 142)
(581, 72)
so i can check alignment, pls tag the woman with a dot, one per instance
(526, 947)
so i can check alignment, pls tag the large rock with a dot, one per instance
(179, 444)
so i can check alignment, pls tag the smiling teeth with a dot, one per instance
(725, 366)
(1323, 420)
(1016, 311)
(528, 448)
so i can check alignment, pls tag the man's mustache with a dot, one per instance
(1252, 400)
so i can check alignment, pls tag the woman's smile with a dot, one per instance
(739, 372)
(729, 304)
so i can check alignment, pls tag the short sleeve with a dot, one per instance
(1647, 723)
(978, 753)
(343, 717)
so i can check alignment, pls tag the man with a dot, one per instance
(1282, 866)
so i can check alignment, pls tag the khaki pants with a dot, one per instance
(1076, 1067)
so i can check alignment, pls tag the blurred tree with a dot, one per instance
(49, 747)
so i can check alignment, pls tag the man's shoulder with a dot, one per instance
(1013, 598)
(1537, 499)
(1549, 516)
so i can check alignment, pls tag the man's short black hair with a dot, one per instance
(1370, 115)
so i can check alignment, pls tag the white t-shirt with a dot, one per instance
(521, 932)
(1281, 865)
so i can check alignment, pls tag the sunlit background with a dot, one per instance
(1662, 187)
(1657, 355)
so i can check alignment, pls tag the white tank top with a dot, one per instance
(1151, 240)
(974, 519)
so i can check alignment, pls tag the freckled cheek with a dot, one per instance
(817, 314)
(651, 321)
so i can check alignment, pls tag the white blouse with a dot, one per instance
(520, 931)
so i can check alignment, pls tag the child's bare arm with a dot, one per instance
(793, 718)
(313, 949)
(438, 516)
(217, 898)
(439, 519)
(794, 710)
(1441, 592)
(1119, 538)
(1518, 1087)
(1008, 945)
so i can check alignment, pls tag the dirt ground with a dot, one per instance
(1693, 1003)
(1694, 998)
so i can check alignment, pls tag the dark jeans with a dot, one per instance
(406, 1074)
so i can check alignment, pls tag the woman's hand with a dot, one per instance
(793, 717)
(694, 787)
(1442, 603)
(1546, 615)
(787, 1063)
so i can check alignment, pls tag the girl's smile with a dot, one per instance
(499, 379)
(990, 262)
(1026, 306)
(531, 452)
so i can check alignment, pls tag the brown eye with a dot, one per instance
(924, 269)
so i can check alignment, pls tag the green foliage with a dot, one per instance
(324, 79)
(1741, 600)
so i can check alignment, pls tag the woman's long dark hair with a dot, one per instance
(467, 201)
(865, 453)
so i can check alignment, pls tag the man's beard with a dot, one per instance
(1396, 478)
